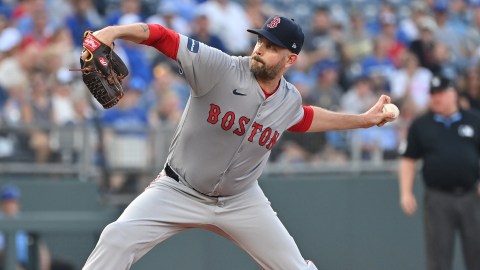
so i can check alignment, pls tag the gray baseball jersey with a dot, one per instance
(228, 127)
(219, 150)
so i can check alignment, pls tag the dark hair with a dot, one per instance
(322, 9)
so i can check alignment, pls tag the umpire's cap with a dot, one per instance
(439, 84)
(283, 32)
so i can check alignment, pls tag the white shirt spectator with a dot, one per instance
(230, 22)
(359, 98)
(167, 15)
(416, 86)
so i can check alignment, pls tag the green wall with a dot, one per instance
(348, 222)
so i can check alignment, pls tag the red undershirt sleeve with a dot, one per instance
(163, 39)
(304, 124)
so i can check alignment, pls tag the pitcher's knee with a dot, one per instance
(116, 234)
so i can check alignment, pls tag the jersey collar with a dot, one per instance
(447, 121)
(267, 95)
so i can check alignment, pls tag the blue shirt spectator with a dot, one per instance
(9, 197)
(377, 66)
(135, 56)
(127, 117)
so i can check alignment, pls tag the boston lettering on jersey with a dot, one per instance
(268, 137)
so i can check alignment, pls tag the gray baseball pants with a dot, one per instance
(168, 207)
(445, 216)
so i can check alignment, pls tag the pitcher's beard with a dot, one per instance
(262, 71)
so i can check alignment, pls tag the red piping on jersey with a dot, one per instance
(269, 94)
(163, 39)
(304, 124)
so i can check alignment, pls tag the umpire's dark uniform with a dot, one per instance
(450, 150)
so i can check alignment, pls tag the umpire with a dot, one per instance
(447, 139)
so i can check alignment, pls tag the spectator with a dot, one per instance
(446, 140)
(187, 8)
(38, 116)
(394, 38)
(469, 94)
(301, 77)
(446, 33)
(472, 42)
(379, 64)
(20, 9)
(358, 43)
(127, 7)
(40, 30)
(325, 92)
(58, 10)
(164, 101)
(167, 15)
(63, 107)
(84, 17)
(411, 83)
(15, 69)
(11, 111)
(423, 46)
(410, 25)
(378, 144)
(459, 15)
(125, 138)
(23, 16)
(443, 63)
(359, 98)
(10, 203)
(375, 144)
(201, 32)
(319, 44)
(10, 38)
(385, 9)
(233, 30)
(62, 46)
(258, 11)
(15, 143)
(408, 113)
(167, 110)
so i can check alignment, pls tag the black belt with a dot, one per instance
(170, 173)
(453, 190)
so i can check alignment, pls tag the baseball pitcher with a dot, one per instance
(237, 111)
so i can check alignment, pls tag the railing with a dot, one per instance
(87, 153)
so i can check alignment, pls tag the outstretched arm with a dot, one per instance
(163, 39)
(324, 120)
(136, 32)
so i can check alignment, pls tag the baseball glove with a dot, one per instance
(102, 71)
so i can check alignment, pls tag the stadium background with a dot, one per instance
(78, 165)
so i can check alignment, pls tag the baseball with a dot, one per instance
(389, 107)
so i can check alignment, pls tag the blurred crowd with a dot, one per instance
(348, 60)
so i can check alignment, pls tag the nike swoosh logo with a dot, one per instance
(235, 92)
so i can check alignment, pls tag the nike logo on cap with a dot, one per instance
(235, 92)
